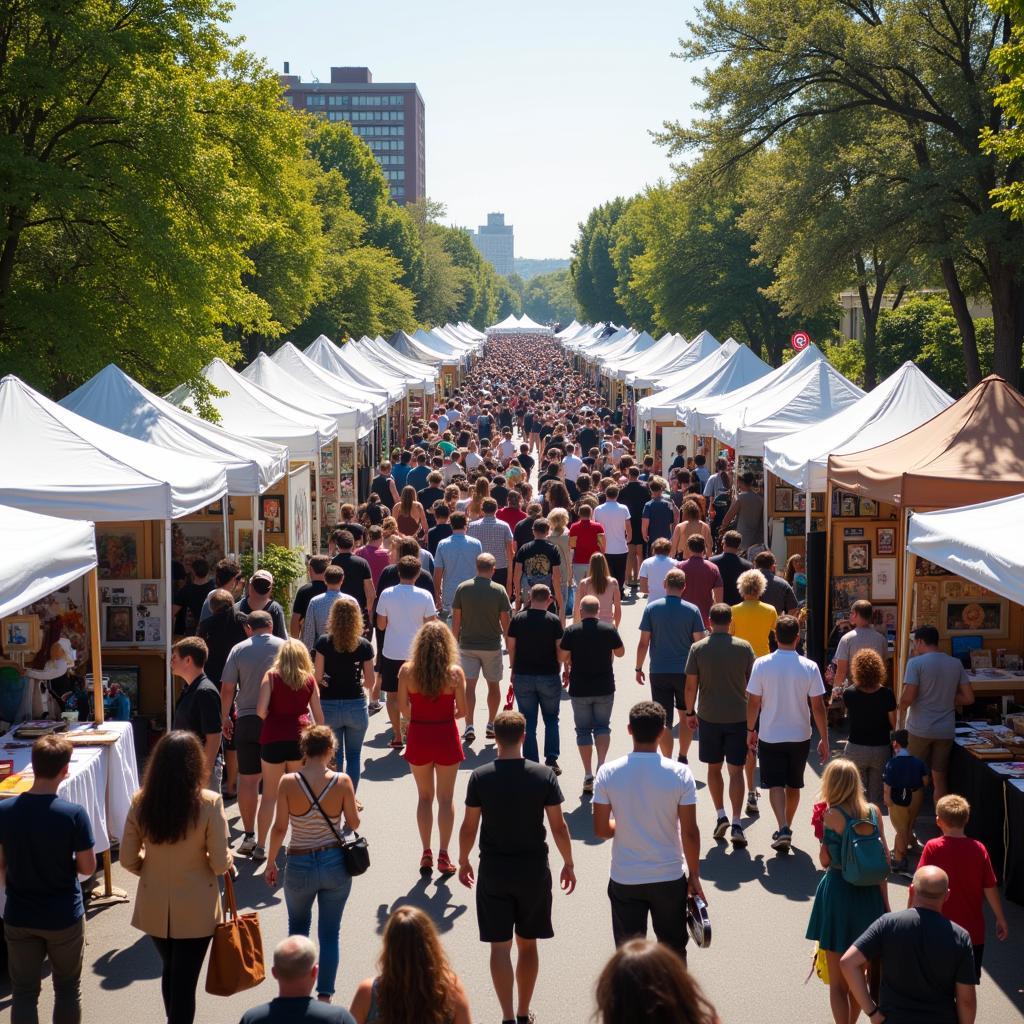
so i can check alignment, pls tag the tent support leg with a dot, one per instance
(169, 625)
(906, 611)
(825, 612)
(255, 533)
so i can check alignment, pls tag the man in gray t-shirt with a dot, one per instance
(934, 685)
(247, 664)
(862, 636)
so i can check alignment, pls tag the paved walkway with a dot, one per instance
(759, 902)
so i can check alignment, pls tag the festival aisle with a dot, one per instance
(759, 902)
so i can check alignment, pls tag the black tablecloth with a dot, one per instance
(1014, 879)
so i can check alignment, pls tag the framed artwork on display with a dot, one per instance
(244, 536)
(982, 617)
(272, 513)
(885, 541)
(793, 526)
(783, 499)
(883, 579)
(118, 548)
(926, 604)
(849, 506)
(150, 592)
(818, 503)
(21, 634)
(853, 531)
(847, 589)
(800, 501)
(856, 556)
(868, 508)
(885, 619)
(190, 541)
(126, 678)
(118, 624)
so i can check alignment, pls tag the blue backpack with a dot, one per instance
(862, 853)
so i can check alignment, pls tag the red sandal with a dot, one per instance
(427, 861)
(444, 864)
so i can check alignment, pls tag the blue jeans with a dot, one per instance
(543, 693)
(349, 719)
(319, 877)
(592, 716)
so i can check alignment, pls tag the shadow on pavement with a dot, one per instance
(728, 868)
(120, 967)
(793, 875)
(389, 765)
(438, 903)
(581, 823)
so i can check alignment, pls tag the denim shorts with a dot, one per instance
(592, 716)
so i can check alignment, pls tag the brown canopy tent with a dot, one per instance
(971, 452)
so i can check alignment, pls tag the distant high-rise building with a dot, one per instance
(387, 116)
(495, 242)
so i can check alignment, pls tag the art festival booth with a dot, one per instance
(338, 474)
(247, 409)
(59, 463)
(421, 378)
(980, 546)
(447, 368)
(41, 559)
(971, 452)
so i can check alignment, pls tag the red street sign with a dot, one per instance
(800, 340)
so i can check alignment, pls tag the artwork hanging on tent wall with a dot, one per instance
(299, 532)
(753, 464)
(118, 548)
(346, 474)
(190, 541)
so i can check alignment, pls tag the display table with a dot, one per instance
(998, 683)
(102, 779)
(997, 817)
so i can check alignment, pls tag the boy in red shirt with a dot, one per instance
(971, 877)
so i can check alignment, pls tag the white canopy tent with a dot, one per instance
(453, 352)
(246, 408)
(589, 337)
(377, 351)
(615, 346)
(325, 353)
(113, 399)
(41, 554)
(527, 325)
(731, 367)
(296, 363)
(800, 400)
(510, 325)
(981, 543)
(902, 402)
(665, 350)
(570, 330)
(409, 346)
(471, 331)
(644, 377)
(701, 412)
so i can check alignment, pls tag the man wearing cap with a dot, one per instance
(247, 664)
(259, 597)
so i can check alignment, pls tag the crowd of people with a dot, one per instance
(500, 540)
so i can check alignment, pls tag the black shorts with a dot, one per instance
(722, 741)
(783, 764)
(247, 744)
(669, 690)
(280, 751)
(379, 634)
(636, 531)
(513, 901)
(389, 669)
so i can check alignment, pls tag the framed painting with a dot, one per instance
(272, 513)
(883, 579)
(979, 616)
(856, 556)
(847, 589)
(117, 549)
(885, 541)
(118, 624)
(192, 540)
(783, 499)
(21, 634)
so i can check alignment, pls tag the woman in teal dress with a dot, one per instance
(842, 912)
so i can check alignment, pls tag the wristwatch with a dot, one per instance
(690, 714)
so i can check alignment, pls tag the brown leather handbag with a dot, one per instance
(236, 956)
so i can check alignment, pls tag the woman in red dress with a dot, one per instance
(432, 695)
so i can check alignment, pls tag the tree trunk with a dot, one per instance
(964, 320)
(1007, 318)
(870, 307)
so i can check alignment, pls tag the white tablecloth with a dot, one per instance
(102, 779)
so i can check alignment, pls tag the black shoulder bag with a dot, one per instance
(355, 850)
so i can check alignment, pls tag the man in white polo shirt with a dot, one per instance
(401, 610)
(655, 839)
(779, 687)
(572, 463)
(614, 517)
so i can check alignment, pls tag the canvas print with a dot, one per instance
(119, 625)
(117, 552)
(885, 541)
(847, 589)
(272, 514)
(783, 499)
(856, 556)
(926, 612)
(982, 617)
(190, 541)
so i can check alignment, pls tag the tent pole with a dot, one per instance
(168, 636)
(315, 503)
(95, 654)
(825, 616)
(255, 533)
(807, 528)
(225, 510)
(764, 504)
(906, 611)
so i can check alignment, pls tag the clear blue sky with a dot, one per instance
(538, 108)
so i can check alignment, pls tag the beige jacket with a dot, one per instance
(178, 895)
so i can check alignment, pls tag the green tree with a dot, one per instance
(629, 242)
(593, 270)
(1006, 140)
(548, 298)
(142, 163)
(922, 72)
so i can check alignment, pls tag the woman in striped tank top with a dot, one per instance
(314, 801)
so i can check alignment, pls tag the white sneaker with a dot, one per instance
(588, 784)
(247, 845)
(258, 855)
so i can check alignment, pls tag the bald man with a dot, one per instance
(295, 969)
(927, 961)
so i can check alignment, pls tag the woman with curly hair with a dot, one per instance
(647, 983)
(871, 706)
(416, 983)
(343, 668)
(432, 695)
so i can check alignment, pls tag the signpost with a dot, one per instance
(800, 340)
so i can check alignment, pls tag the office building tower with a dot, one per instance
(387, 116)
(495, 242)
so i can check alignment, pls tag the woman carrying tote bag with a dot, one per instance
(176, 841)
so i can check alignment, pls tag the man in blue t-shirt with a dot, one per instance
(660, 516)
(45, 844)
(669, 627)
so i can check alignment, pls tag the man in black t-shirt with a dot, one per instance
(358, 581)
(592, 647)
(315, 568)
(508, 800)
(635, 496)
(187, 607)
(538, 562)
(731, 566)
(533, 651)
(198, 710)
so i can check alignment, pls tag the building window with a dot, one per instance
(316, 101)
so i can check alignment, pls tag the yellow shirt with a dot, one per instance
(753, 621)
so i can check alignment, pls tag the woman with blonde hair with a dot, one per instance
(409, 515)
(415, 983)
(287, 695)
(842, 911)
(343, 666)
(432, 695)
(605, 587)
(474, 507)
(690, 523)
(312, 802)
(389, 527)
(452, 494)
(559, 536)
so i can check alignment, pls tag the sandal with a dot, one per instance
(444, 864)
(427, 862)
(396, 744)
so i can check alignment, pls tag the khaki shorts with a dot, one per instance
(902, 818)
(489, 663)
(934, 753)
